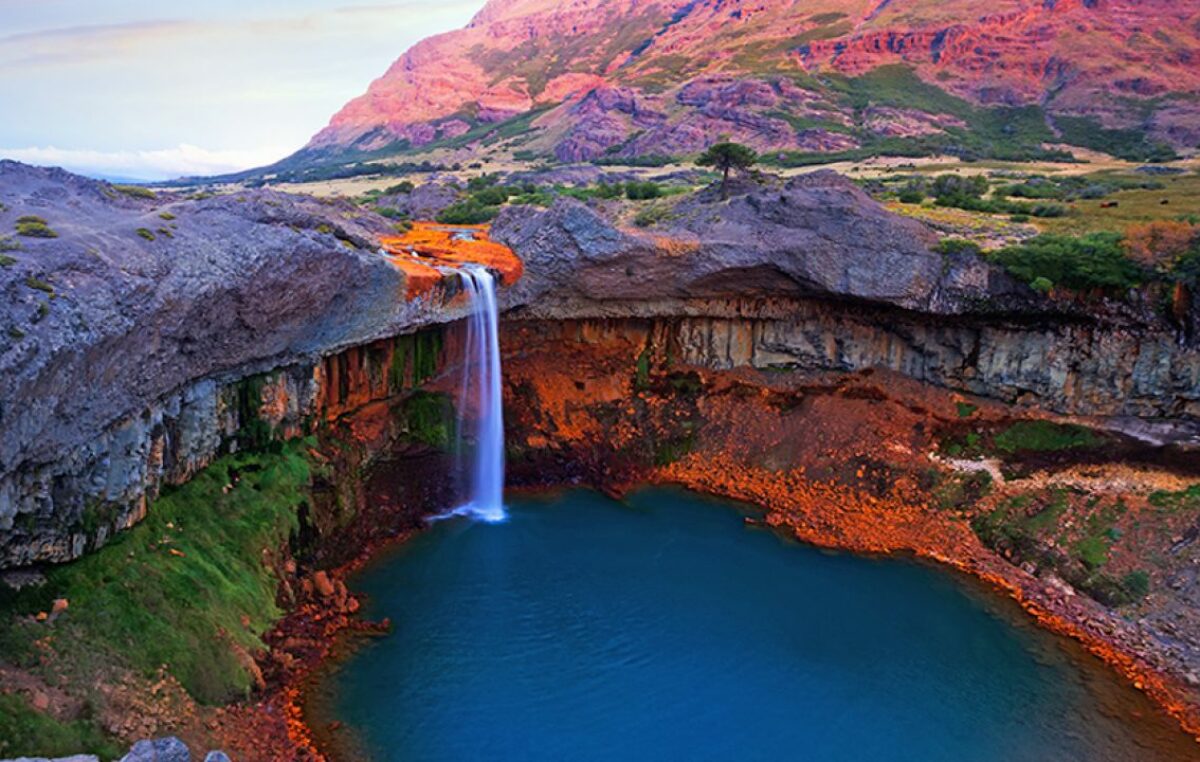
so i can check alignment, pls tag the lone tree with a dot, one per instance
(725, 157)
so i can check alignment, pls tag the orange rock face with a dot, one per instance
(427, 243)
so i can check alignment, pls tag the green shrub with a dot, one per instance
(1092, 261)
(146, 233)
(9, 244)
(911, 196)
(7, 261)
(404, 186)
(136, 191)
(1042, 285)
(492, 196)
(467, 212)
(32, 226)
(166, 216)
(642, 191)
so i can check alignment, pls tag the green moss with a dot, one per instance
(965, 409)
(188, 584)
(428, 418)
(146, 233)
(136, 191)
(24, 731)
(1045, 436)
(1137, 584)
(641, 380)
(426, 352)
(1092, 550)
(253, 432)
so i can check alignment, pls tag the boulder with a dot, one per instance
(169, 749)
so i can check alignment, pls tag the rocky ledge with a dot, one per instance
(130, 318)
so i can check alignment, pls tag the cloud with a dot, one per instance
(158, 164)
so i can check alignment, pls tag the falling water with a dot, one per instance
(480, 410)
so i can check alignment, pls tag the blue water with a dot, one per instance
(664, 629)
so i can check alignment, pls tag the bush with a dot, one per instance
(636, 191)
(1042, 285)
(8, 244)
(911, 196)
(146, 233)
(1092, 261)
(494, 196)
(404, 186)
(467, 212)
(34, 227)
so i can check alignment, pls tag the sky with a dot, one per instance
(144, 90)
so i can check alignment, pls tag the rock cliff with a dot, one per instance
(151, 333)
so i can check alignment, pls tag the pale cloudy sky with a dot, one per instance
(152, 90)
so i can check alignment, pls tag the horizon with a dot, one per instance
(135, 92)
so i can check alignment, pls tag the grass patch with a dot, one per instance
(188, 584)
(9, 244)
(1131, 145)
(24, 731)
(1174, 502)
(146, 233)
(135, 191)
(965, 409)
(1045, 436)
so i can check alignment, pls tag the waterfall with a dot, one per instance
(480, 409)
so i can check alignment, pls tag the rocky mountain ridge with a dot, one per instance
(590, 79)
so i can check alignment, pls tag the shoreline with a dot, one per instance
(862, 528)
(867, 526)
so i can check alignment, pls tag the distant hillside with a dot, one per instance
(641, 80)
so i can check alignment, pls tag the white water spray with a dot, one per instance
(482, 396)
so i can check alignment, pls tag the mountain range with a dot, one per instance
(641, 81)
